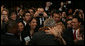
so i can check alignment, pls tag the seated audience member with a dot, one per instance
(10, 37)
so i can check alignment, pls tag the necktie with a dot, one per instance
(74, 34)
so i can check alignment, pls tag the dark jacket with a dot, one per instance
(41, 38)
(68, 36)
(8, 39)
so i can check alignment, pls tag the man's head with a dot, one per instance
(50, 22)
(13, 15)
(21, 12)
(52, 28)
(27, 16)
(4, 15)
(48, 4)
(56, 17)
(75, 23)
(4, 12)
(12, 27)
(69, 25)
(31, 11)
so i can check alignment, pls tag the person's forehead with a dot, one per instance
(33, 19)
(75, 20)
(4, 11)
(69, 21)
(27, 13)
(20, 23)
(57, 15)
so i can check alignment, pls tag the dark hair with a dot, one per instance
(11, 12)
(11, 25)
(79, 20)
(21, 22)
(32, 19)
(25, 13)
(55, 11)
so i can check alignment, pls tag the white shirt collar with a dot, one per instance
(24, 22)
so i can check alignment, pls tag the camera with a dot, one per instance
(41, 14)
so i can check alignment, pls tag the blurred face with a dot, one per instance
(27, 16)
(33, 24)
(70, 17)
(59, 27)
(75, 23)
(48, 4)
(4, 13)
(30, 10)
(63, 14)
(20, 27)
(40, 10)
(70, 11)
(56, 17)
(13, 16)
(21, 12)
(69, 25)
(4, 16)
(62, 3)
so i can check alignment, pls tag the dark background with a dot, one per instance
(37, 3)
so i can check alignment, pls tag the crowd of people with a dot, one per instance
(42, 26)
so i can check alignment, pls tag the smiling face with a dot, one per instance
(20, 26)
(75, 23)
(33, 23)
(27, 16)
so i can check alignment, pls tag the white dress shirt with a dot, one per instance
(77, 32)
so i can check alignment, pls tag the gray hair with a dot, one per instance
(50, 22)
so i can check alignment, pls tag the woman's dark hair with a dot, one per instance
(32, 19)
(20, 21)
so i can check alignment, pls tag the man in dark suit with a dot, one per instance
(73, 33)
(10, 38)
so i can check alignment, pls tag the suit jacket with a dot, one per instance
(8, 39)
(41, 38)
(68, 36)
